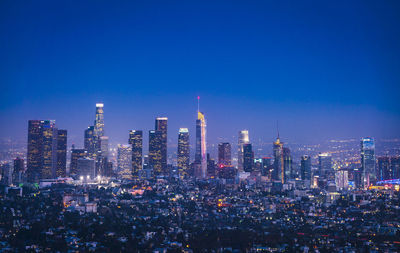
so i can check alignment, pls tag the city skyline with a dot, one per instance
(329, 70)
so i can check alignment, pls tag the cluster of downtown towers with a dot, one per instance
(47, 155)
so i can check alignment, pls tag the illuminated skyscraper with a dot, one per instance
(42, 150)
(368, 161)
(224, 154)
(183, 152)
(248, 157)
(201, 150)
(99, 120)
(243, 139)
(278, 173)
(136, 141)
(124, 161)
(162, 126)
(155, 146)
(61, 153)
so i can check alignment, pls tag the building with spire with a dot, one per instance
(279, 172)
(201, 149)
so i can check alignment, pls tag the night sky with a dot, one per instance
(323, 69)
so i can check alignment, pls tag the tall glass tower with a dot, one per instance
(201, 149)
(162, 126)
(136, 141)
(243, 139)
(183, 152)
(368, 161)
(279, 172)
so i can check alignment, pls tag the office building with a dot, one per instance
(18, 171)
(224, 154)
(89, 141)
(248, 157)
(155, 146)
(368, 161)
(136, 141)
(325, 165)
(162, 126)
(278, 172)
(75, 155)
(243, 139)
(124, 161)
(183, 154)
(305, 167)
(200, 170)
(42, 150)
(61, 170)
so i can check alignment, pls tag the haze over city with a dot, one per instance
(322, 70)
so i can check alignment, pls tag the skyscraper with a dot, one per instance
(99, 120)
(201, 150)
(42, 150)
(155, 146)
(61, 153)
(89, 142)
(287, 164)
(248, 157)
(104, 146)
(243, 139)
(18, 171)
(368, 161)
(384, 168)
(278, 173)
(124, 161)
(224, 154)
(136, 141)
(183, 152)
(162, 126)
(75, 155)
(305, 167)
(325, 164)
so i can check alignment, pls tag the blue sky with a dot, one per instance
(323, 69)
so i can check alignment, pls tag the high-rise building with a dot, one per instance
(18, 171)
(155, 146)
(99, 120)
(85, 168)
(61, 153)
(224, 154)
(324, 164)
(211, 166)
(75, 155)
(104, 146)
(124, 161)
(395, 166)
(384, 169)
(368, 161)
(278, 173)
(136, 141)
(305, 167)
(287, 164)
(42, 150)
(183, 152)
(243, 139)
(266, 166)
(162, 126)
(201, 150)
(248, 157)
(342, 179)
(89, 142)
